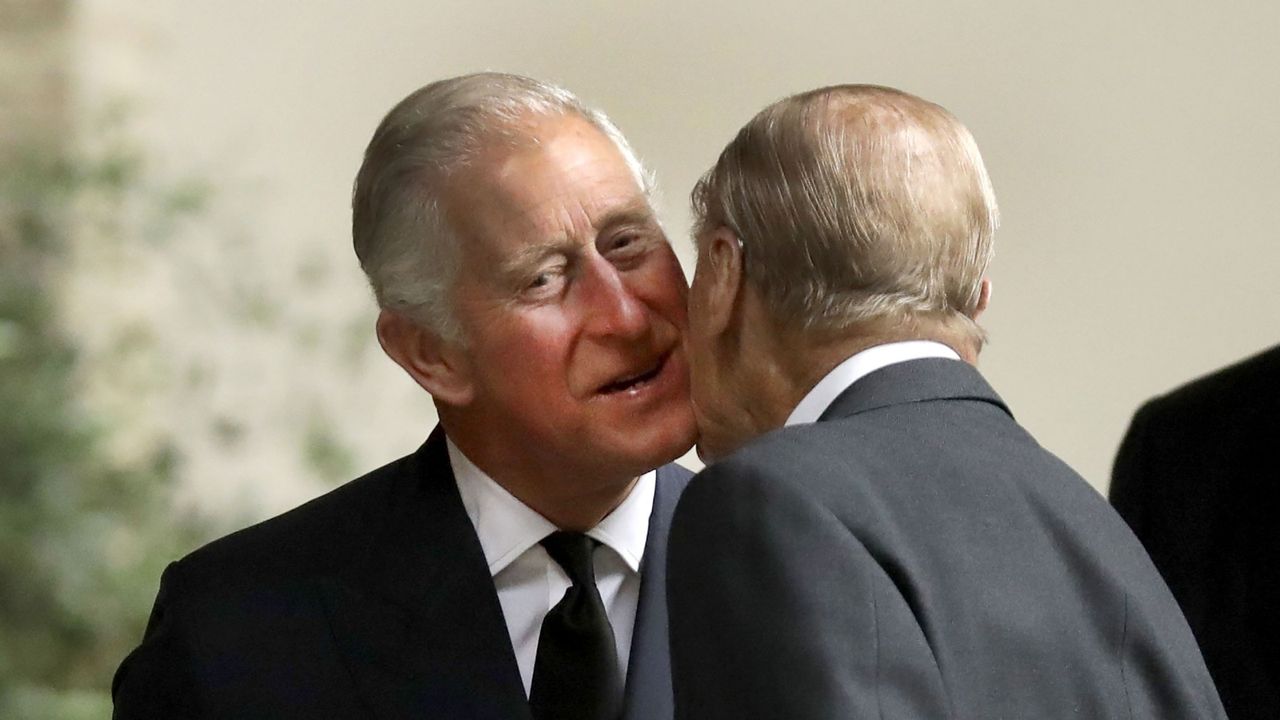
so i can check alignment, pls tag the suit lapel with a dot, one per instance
(911, 382)
(416, 615)
(648, 689)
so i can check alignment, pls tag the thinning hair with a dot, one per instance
(399, 223)
(857, 206)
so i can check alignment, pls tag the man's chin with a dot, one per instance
(672, 448)
(704, 454)
(668, 446)
(711, 449)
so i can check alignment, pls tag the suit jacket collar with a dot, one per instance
(418, 620)
(911, 382)
(416, 614)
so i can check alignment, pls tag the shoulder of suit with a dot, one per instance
(796, 446)
(301, 541)
(1249, 381)
(800, 460)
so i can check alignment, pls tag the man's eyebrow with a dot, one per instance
(635, 213)
(533, 255)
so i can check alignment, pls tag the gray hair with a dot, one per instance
(401, 233)
(856, 204)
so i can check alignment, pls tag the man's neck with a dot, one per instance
(794, 364)
(571, 498)
(798, 361)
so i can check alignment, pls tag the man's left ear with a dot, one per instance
(984, 297)
(438, 365)
(720, 268)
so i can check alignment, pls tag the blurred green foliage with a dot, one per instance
(83, 535)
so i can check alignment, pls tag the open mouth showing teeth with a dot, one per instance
(633, 382)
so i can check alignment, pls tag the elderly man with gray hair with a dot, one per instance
(513, 566)
(876, 537)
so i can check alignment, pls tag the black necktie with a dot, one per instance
(575, 675)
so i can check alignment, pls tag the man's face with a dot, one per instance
(572, 306)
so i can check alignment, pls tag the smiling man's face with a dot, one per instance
(572, 306)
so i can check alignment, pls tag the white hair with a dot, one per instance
(857, 204)
(401, 233)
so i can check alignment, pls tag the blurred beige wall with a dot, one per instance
(1133, 146)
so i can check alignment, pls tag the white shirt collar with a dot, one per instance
(507, 528)
(861, 364)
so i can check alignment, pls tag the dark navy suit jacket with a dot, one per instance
(372, 601)
(1197, 480)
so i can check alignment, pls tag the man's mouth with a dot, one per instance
(635, 381)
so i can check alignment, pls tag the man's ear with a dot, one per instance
(984, 297)
(720, 269)
(439, 366)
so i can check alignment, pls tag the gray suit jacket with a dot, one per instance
(373, 601)
(915, 554)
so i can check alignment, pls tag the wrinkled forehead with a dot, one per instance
(561, 180)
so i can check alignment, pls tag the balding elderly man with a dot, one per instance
(877, 537)
(513, 566)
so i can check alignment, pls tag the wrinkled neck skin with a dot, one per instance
(574, 499)
(776, 364)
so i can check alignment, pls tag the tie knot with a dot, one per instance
(572, 551)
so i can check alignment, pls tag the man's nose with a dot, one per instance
(611, 308)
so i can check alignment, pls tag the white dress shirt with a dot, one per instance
(818, 399)
(529, 582)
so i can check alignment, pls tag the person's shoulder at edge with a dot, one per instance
(1244, 379)
(300, 541)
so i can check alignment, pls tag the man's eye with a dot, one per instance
(545, 281)
(625, 246)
